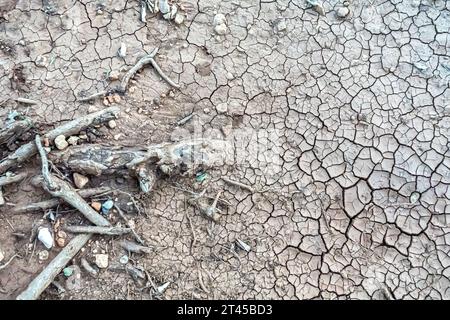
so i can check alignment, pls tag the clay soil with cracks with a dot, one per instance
(335, 122)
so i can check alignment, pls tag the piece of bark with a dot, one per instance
(13, 178)
(171, 158)
(10, 132)
(43, 280)
(51, 203)
(70, 128)
(134, 247)
(110, 231)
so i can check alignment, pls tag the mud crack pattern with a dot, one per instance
(354, 193)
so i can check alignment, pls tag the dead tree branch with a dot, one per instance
(70, 128)
(10, 132)
(51, 203)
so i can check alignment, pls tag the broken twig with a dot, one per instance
(110, 231)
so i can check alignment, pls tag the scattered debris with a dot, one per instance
(124, 259)
(43, 255)
(8, 262)
(80, 180)
(201, 176)
(106, 206)
(96, 205)
(73, 140)
(122, 52)
(101, 260)
(317, 6)
(68, 271)
(163, 287)
(112, 124)
(220, 24)
(26, 101)
(89, 269)
(241, 244)
(134, 247)
(185, 119)
(239, 184)
(342, 12)
(45, 236)
(222, 108)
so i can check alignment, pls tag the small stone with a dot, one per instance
(83, 136)
(106, 206)
(221, 29)
(22, 42)
(92, 109)
(124, 259)
(96, 205)
(114, 75)
(61, 242)
(41, 61)
(46, 142)
(179, 18)
(112, 124)
(222, 108)
(101, 260)
(60, 142)
(342, 12)
(45, 236)
(219, 19)
(73, 140)
(80, 180)
(281, 25)
(117, 136)
(68, 271)
(43, 255)
(120, 180)
(116, 98)
(122, 50)
(110, 99)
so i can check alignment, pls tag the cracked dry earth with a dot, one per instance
(342, 122)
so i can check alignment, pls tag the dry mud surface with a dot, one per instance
(340, 123)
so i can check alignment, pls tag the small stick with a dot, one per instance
(43, 280)
(162, 74)
(239, 184)
(88, 267)
(134, 247)
(93, 96)
(8, 262)
(51, 203)
(8, 179)
(26, 101)
(200, 280)
(136, 236)
(185, 119)
(110, 231)
(26, 151)
(139, 65)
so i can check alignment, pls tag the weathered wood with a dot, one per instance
(43, 280)
(171, 158)
(110, 231)
(51, 203)
(14, 130)
(12, 178)
(70, 128)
